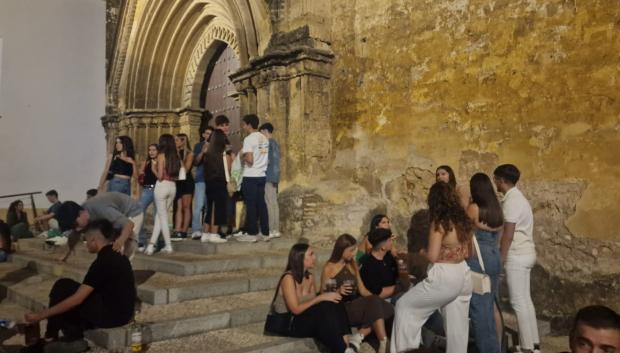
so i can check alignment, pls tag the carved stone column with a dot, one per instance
(189, 121)
(291, 84)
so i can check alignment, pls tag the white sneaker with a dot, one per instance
(59, 241)
(261, 237)
(247, 238)
(166, 250)
(215, 238)
(274, 234)
(196, 235)
(205, 237)
(239, 234)
(356, 341)
(150, 249)
(141, 248)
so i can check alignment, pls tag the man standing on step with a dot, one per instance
(272, 178)
(254, 156)
(121, 210)
(105, 299)
(518, 253)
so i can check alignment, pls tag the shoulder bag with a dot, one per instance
(278, 324)
(481, 282)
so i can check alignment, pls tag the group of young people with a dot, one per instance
(203, 184)
(464, 226)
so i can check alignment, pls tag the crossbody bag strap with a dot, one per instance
(478, 254)
(275, 295)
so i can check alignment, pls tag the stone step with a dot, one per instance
(233, 246)
(187, 246)
(180, 264)
(160, 322)
(242, 339)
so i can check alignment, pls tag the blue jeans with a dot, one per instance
(481, 306)
(253, 190)
(199, 205)
(3, 256)
(120, 185)
(147, 197)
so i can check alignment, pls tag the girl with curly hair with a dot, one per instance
(448, 285)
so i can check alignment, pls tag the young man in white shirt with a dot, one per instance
(254, 156)
(518, 253)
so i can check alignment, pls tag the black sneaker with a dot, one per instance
(77, 346)
(177, 236)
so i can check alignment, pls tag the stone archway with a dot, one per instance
(162, 50)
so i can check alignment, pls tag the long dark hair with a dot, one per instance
(295, 263)
(213, 158)
(149, 147)
(187, 147)
(483, 195)
(344, 241)
(451, 176)
(127, 143)
(13, 206)
(445, 210)
(374, 222)
(169, 150)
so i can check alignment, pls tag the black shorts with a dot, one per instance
(185, 187)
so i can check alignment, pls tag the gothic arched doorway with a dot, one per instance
(218, 94)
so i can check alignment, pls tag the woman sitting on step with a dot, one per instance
(318, 316)
(364, 309)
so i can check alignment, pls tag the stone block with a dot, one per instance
(151, 295)
(164, 330)
(263, 283)
(212, 289)
(111, 338)
(249, 315)
(283, 345)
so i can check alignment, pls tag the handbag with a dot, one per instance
(182, 174)
(278, 324)
(231, 185)
(481, 282)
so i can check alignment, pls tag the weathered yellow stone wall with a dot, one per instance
(535, 83)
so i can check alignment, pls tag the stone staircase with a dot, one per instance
(202, 298)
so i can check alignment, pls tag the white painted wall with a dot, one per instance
(52, 95)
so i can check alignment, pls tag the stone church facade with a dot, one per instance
(369, 97)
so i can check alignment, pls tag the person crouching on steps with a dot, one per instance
(105, 299)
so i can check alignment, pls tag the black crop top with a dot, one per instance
(119, 166)
(149, 176)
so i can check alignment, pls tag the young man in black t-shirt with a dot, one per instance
(379, 269)
(105, 298)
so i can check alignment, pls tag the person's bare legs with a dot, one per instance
(379, 327)
(499, 327)
(186, 207)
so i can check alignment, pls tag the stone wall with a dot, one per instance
(368, 97)
(473, 84)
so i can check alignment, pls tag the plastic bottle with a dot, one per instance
(136, 337)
